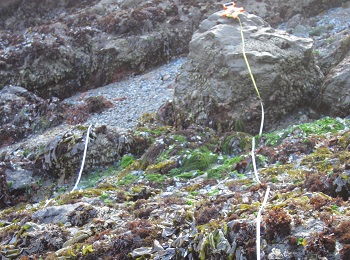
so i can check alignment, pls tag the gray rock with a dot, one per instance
(20, 178)
(214, 88)
(335, 95)
(54, 214)
(60, 48)
(277, 11)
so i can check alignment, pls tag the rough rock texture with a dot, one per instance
(59, 48)
(330, 32)
(23, 113)
(42, 161)
(62, 156)
(277, 11)
(3, 187)
(335, 94)
(214, 89)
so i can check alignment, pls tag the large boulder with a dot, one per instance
(215, 89)
(335, 95)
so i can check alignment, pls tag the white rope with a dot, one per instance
(83, 161)
(254, 162)
(258, 221)
(81, 168)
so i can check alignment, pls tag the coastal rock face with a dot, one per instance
(3, 188)
(63, 47)
(23, 113)
(215, 89)
(335, 94)
(62, 155)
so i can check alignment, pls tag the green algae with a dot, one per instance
(90, 180)
(323, 126)
(319, 127)
(319, 159)
(127, 179)
(127, 160)
(156, 177)
(276, 172)
(198, 159)
(161, 167)
(236, 143)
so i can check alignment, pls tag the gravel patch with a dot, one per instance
(134, 96)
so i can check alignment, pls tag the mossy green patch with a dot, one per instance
(318, 127)
(180, 138)
(127, 179)
(189, 175)
(219, 172)
(161, 167)
(156, 177)
(324, 125)
(198, 159)
(234, 160)
(127, 160)
(236, 143)
(275, 138)
(90, 180)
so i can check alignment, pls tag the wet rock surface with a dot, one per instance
(335, 96)
(157, 191)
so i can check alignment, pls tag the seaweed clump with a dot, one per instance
(342, 232)
(278, 224)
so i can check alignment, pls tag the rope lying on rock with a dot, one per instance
(83, 161)
(233, 12)
(258, 218)
(82, 164)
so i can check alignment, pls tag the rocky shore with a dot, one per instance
(168, 172)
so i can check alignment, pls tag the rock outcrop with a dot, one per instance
(63, 47)
(4, 197)
(214, 88)
(62, 155)
(335, 94)
(23, 113)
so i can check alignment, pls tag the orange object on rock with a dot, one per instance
(231, 11)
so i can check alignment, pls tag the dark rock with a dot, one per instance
(214, 89)
(4, 197)
(82, 215)
(23, 113)
(63, 155)
(53, 49)
(335, 95)
(333, 50)
(55, 214)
